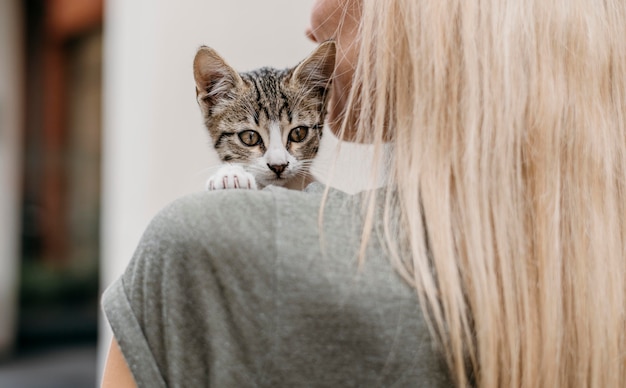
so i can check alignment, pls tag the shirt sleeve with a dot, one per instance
(179, 310)
(129, 335)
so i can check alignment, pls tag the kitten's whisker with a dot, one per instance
(317, 172)
(308, 162)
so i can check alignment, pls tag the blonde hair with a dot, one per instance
(508, 122)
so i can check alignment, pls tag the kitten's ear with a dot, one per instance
(214, 77)
(317, 69)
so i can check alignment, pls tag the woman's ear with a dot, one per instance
(214, 77)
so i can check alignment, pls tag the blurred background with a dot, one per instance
(99, 129)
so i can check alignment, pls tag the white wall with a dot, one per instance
(155, 147)
(10, 167)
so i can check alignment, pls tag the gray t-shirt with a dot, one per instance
(240, 289)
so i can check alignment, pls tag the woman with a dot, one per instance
(505, 211)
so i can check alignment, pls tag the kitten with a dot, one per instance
(266, 124)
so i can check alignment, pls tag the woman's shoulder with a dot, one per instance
(278, 288)
(226, 211)
(242, 223)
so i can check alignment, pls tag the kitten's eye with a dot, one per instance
(250, 137)
(298, 134)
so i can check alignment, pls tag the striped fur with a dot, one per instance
(271, 102)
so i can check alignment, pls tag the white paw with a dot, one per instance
(231, 177)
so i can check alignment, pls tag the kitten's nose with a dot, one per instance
(277, 168)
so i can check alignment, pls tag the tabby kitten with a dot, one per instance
(266, 124)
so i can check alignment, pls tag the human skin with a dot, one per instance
(116, 371)
(330, 19)
(338, 20)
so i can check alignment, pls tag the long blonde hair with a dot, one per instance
(508, 122)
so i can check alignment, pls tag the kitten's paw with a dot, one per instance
(231, 177)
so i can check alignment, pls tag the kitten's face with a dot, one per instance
(269, 121)
(270, 126)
